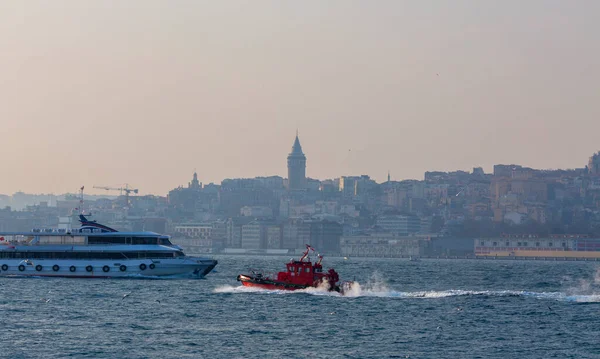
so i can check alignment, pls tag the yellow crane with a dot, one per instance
(125, 188)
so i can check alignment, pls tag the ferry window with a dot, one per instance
(482, 243)
(495, 244)
(507, 244)
(307, 269)
(564, 244)
(537, 244)
(550, 244)
(524, 244)
(518, 244)
(106, 240)
(145, 240)
(164, 241)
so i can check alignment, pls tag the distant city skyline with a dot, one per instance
(93, 95)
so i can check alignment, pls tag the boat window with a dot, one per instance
(106, 240)
(508, 244)
(307, 269)
(550, 244)
(525, 244)
(145, 240)
(165, 242)
(537, 244)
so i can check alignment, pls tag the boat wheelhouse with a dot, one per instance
(95, 250)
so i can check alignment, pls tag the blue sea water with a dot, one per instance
(403, 309)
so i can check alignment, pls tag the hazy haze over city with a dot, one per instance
(144, 92)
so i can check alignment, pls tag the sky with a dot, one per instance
(147, 92)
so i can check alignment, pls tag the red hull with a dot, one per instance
(268, 286)
(248, 281)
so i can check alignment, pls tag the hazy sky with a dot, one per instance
(144, 92)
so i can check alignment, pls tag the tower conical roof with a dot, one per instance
(297, 148)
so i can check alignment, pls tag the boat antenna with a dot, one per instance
(320, 258)
(308, 249)
(81, 200)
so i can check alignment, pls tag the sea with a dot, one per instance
(398, 309)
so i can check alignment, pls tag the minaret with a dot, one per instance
(296, 162)
(389, 177)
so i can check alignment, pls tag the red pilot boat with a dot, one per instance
(299, 275)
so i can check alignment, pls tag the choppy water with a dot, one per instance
(427, 309)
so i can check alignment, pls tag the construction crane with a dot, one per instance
(125, 188)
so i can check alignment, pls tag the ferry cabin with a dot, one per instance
(86, 245)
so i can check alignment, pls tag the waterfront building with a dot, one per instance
(254, 235)
(382, 245)
(399, 224)
(234, 231)
(328, 186)
(256, 211)
(594, 164)
(274, 235)
(529, 245)
(351, 186)
(193, 230)
(295, 234)
(302, 210)
(325, 235)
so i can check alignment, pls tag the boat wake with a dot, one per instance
(357, 291)
(584, 292)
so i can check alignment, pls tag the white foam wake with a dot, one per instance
(356, 291)
(242, 289)
(587, 291)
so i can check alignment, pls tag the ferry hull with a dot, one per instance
(106, 269)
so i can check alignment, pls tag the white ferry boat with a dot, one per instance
(95, 251)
